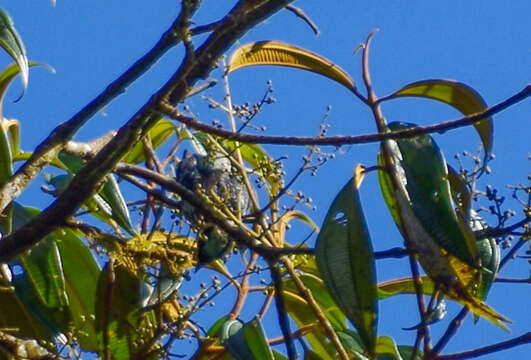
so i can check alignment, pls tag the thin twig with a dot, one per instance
(282, 313)
(450, 331)
(301, 14)
(504, 345)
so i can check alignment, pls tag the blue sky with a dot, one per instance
(484, 44)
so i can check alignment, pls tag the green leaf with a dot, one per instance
(297, 308)
(282, 54)
(112, 195)
(446, 246)
(246, 341)
(81, 273)
(404, 286)
(21, 317)
(490, 256)
(407, 352)
(462, 97)
(118, 305)
(322, 297)
(13, 45)
(352, 342)
(460, 193)
(42, 264)
(428, 190)
(386, 349)
(346, 261)
(108, 205)
(159, 133)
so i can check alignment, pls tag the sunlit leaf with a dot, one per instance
(158, 134)
(346, 261)
(12, 43)
(282, 54)
(386, 349)
(460, 192)
(446, 246)
(321, 296)
(462, 97)
(297, 308)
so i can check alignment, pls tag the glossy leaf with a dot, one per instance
(446, 246)
(282, 54)
(12, 43)
(490, 256)
(427, 187)
(462, 97)
(345, 259)
(352, 343)
(158, 134)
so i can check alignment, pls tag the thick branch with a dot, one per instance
(196, 66)
(345, 140)
(48, 149)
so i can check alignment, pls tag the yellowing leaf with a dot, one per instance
(462, 97)
(282, 54)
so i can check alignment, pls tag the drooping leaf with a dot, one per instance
(462, 97)
(429, 222)
(346, 261)
(81, 273)
(12, 43)
(460, 193)
(42, 264)
(427, 187)
(489, 252)
(282, 54)
(112, 195)
(159, 133)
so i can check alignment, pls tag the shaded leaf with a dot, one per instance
(345, 259)
(460, 193)
(42, 265)
(352, 343)
(118, 313)
(407, 352)
(12, 43)
(282, 54)
(461, 96)
(81, 273)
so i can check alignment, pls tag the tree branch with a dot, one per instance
(48, 149)
(196, 66)
(504, 345)
(345, 140)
